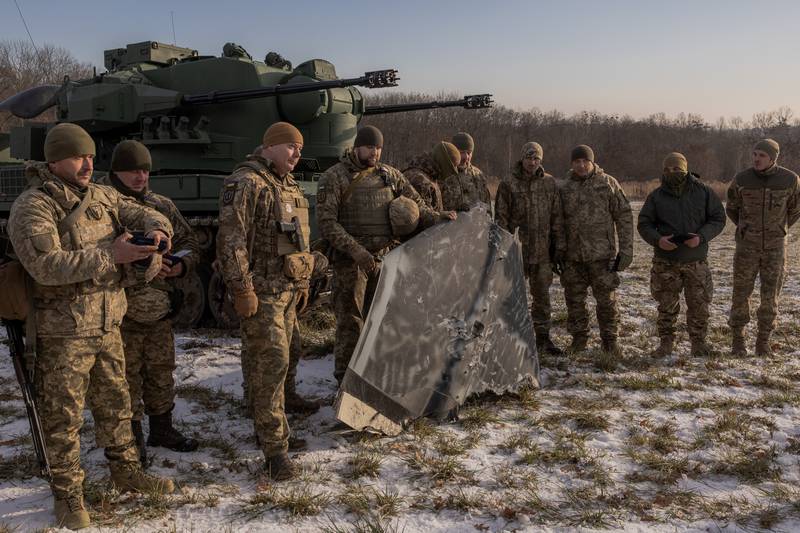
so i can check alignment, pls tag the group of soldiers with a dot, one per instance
(102, 303)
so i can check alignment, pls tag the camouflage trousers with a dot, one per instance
(266, 337)
(353, 291)
(667, 280)
(71, 371)
(149, 364)
(295, 353)
(769, 266)
(540, 277)
(576, 279)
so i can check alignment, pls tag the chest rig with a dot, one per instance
(364, 210)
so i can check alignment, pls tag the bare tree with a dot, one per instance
(22, 66)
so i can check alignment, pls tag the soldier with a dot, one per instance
(467, 187)
(425, 172)
(595, 210)
(763, 202)
(359, 204)
(69, 235)
(679, 219)
(529, 202)
(262, 245)
(147, 328)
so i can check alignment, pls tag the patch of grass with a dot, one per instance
(658, 468)
(298, 500)
(606, 361)
(424, 428)
(221, 447)
(460, 500)
(371, 523)
(477, 416)
(653, 382)
(750, 465)
(439, 469)
(22, 465)
(588, 421)
(211, 399)
(365, 463)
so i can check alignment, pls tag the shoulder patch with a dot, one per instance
(228, 194)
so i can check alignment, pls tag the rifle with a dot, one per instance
(24, 372)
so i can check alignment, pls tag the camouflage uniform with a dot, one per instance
(79, 304)
(678, 210)
(463, 190)
(763, 205)
(146, 331)
(251, 253)
(359, 222)
(595, 211)
(532, 206)
(422, 174)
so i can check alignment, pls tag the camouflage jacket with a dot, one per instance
(763, 206)
(463, 190)
(532, 205)
(77, 288)
(596, 215)
(422, 174)
(332, 187)
(248, 234)
(148, 302)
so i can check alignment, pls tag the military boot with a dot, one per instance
(579, 343)
(71, 512)
(280, 467)
(611, 346)
(700, 348)
(163, 433)
(294, 403)
(738, 346)
(665, 348)
(763, 348)
(129, 477)
(138, 435)
(545, 345)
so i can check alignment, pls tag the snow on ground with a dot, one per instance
(635, 444)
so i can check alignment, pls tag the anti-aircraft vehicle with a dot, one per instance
(200, 116)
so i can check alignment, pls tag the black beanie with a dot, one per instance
(582, 152)
(369, 136)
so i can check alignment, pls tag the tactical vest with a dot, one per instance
(98, 225)
(763, 219)
(365, 213)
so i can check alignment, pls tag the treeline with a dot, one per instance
(627, 148)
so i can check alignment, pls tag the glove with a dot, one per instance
(622, 262)
(364, 259)
(302, 300)
(245, 303)
(153, 268)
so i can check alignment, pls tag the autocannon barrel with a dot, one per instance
(373, 80)
(475, 101)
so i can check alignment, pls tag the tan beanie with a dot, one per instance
(532, 149)
(463, 141)
(67, 140)
(769, 146)
(447, 158)
(676, 159)
(281, 133)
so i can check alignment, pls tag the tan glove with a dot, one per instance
(364, 259)
(320, 265)
(245, 303)
(153, 268)
(302, 300)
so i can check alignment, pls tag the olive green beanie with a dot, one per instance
(369, 136)
(676, 159)
(464, 141)
(532, 149)
(281, 133)
(582, 151)
(131, 155)
(447, 158)
(769, 146)
(67, 140)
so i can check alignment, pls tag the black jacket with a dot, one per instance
(697, 210)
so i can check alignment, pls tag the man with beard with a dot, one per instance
(763, 202)
(678, 220)
(359, 201)
(262, 246)
(467, 186)
(529, 202)
(69, 234)
(596, 215)
(426, 172)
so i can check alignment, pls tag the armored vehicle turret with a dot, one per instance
(200, 116)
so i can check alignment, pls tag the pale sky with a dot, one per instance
(716, 58)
